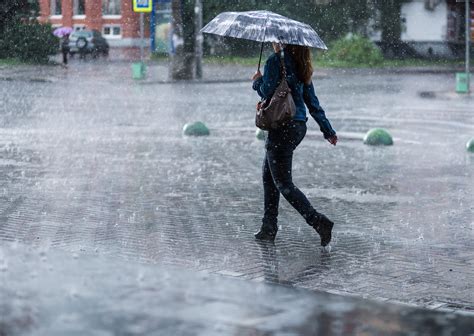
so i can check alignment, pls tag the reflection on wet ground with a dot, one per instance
(92, 294)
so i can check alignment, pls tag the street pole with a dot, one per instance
(468, 42)
(141, 36)
(198, 37)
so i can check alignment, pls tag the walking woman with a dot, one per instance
(65, 48)
(281, 142)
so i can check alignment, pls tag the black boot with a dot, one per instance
(267, 232)
(323, 226)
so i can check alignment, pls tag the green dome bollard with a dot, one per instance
(378, 137)
(195, 129)
(260, 134)
(470, 145)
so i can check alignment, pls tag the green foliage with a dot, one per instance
(331, 19)
(16, 10)
(28, 41)
(21, 36)
(389, 21)
(354, 50)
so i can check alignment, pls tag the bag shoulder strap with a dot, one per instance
(282, 63)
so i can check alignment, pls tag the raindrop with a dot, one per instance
(3, 265)
(73, 293)
(140, 276)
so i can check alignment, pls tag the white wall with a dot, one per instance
(422, 24)
(128, 42)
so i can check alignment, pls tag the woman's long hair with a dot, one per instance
(302, 58)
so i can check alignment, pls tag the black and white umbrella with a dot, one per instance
(264, 26)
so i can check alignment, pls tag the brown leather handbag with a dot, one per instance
(278, 110)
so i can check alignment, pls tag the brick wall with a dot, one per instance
(44, 10)
(456, 18)
(130, 20)
(472, 22)
(93, 18)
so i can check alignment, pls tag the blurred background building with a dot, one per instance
(115, 19)
(435, 28)
(425, 28)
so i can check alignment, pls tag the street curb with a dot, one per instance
(33, 80)
(445, 95)
(394, 70)
(423, 70)
(196, 81)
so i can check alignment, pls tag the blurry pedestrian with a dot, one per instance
(65, 48)
(281, 142)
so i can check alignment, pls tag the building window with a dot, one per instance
(111, 7)
(55, 7)
(112, 31)
(79, 27)
(79, 8)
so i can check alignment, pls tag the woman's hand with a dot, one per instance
(257, 75)
(333, 140)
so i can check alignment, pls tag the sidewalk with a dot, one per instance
(94, 163)
(56, 293)
(158, 70)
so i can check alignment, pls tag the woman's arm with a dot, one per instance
(266, 85)
(316, 111)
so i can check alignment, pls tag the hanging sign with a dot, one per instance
(142, 6)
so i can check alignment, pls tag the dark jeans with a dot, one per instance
(277, 179)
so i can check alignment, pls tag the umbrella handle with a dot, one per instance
(260, 59)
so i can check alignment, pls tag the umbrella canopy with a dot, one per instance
(264, 26)
(62, 31)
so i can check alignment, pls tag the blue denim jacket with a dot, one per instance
(302, 93)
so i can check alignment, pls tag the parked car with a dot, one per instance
(88, 42)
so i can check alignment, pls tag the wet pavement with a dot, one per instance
(95, 163)
(64, 294)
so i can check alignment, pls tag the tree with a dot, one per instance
(391, 26)
(21, 36)
(330, 18)
(13, 10)
(182, 60)
(390, 21)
